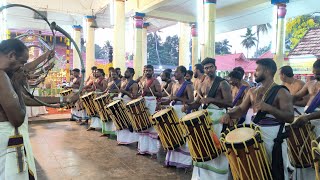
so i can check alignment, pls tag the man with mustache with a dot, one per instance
(274, 108)
(151, 90)
(214, 94)
(182, 93)
(128, 91)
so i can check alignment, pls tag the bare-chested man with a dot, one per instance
(182, 93)
(238, 91)
(151, 90)
(114, 84)
(91, 77)
(294, 86)
(128, 91)
(215, 95)
(16, 159)
(167, 82)
(199, 77)
(76, 113)
(311, 113)
(100, 83)
(241, 70)
(271, 116)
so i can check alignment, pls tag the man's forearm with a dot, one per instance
(236, 112)
(314, 115)
(221, 103)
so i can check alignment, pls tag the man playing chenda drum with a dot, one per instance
(312, 113)
(273, 105)
(151, 89)
(215, 96)
(128, 92)
(182, 93)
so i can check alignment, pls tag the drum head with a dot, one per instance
(162, 112)
(239, 135)
(193, 115)
(114, 102)
(65, 91)
(134, 101)
(101, 97)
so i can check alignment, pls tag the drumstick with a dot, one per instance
(166, 91)
(116, 85)
(199, 95)
(151, 92)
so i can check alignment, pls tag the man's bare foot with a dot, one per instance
(91, 129)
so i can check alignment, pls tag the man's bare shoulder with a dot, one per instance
(245, 83)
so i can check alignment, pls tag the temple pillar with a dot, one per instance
(137, 58)
(184, 42)
(90, 50)
(194, 51)
(144, 43)
(209, 28)
(119, 50)
(77, 39)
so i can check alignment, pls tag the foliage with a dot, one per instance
(223, 47)
(297, 27)
(164, 53)
(263, 28)
(262, 50)
(248, 40)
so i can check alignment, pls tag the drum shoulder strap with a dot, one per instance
(269, 100)
(214, 88)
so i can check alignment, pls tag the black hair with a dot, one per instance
(189, 72)
(167, 73)
(6, 46)
(149, 67)
(76, 70)
(94, 68)
(208, 60)
(316, 64)
(101, 71)
(287, 70)
(182, 69)
(239, 69)
(268, 64)
(199, 67)
(131, 70)
(111, 69)
(235, 74)
(117, 69)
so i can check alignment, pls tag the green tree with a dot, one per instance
(170, 54)
(97, 52)
(222, 47)
(248, 40)
(262, 50)
(152, 41)
(262, 28)
(297, 27)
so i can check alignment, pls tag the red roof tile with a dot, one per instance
(229, 61)
(309, 44)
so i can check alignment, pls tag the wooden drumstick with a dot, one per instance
(199, 95)
(151, 92)
(116, 85)
(166, 91)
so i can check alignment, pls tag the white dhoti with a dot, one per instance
(33, 111)
(148, 140)
(96, 123)
(217, 168)
(179, 157)
(8, 156)
(269, 133)
(249, 116)
(125, 136)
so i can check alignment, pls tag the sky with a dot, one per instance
(234, 38)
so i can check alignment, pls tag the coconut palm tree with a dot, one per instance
(249, 40)
(263, 28)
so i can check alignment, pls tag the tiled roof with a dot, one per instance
(309, 44)
(267, 54)
(229, 61)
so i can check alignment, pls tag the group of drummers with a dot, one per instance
(223, 128)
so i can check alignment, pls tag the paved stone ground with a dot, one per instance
(65, 150)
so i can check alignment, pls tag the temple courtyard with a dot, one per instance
(65, 150)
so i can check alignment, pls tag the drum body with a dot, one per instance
(299, 145)
(66, 93)
(87, 101)
(203, 143)
(316, 156)
(246, 152)
(141, 119)
(167, 125)
(119, 114)
(100, 104)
